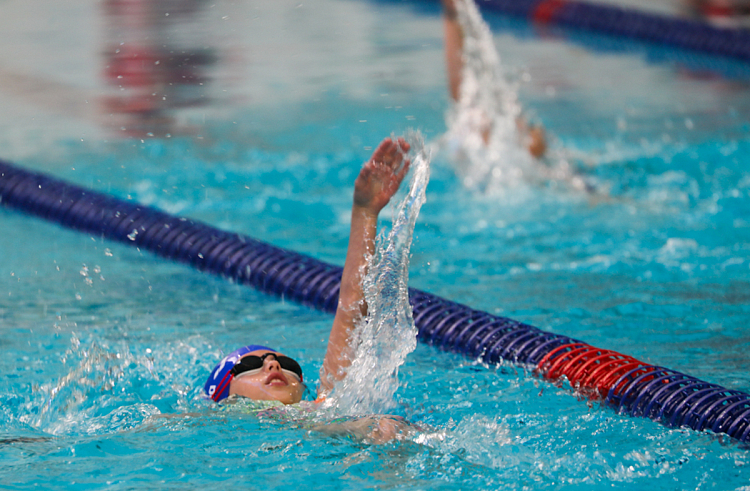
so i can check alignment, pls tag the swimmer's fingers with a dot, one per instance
(380, 153)
(393, 180)
(381, 176)
(404, 146)
(404, 170)
(398, 150)
(391, 152)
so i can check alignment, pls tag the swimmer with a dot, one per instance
(532, 136)
(262, 373)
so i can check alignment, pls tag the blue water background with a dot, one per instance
(101, 340)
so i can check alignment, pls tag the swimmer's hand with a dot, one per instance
(537, 143)
(376, 429)
(381, 176)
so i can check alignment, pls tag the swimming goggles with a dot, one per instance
(252, 364)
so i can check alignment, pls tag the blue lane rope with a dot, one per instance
(629, 23)
(664, 395)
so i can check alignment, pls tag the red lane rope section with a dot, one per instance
(545, 10)
(591, 370)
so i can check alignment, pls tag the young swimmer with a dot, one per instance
(262, 373)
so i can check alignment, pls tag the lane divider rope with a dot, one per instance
(622, 382)
(629, 23)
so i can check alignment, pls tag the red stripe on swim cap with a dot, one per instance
(222, 385)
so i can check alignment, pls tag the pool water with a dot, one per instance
(107, 347)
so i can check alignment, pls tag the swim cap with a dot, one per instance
(217, 385)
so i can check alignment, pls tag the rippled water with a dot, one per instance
(106, 348)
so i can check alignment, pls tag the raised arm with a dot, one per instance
(454, 45)
(377, 182)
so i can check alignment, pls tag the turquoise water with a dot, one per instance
(106, 347)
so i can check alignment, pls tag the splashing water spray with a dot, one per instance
(487, 135)
(384, 338)
(483, 133)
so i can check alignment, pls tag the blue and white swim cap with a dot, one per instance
(217, 385)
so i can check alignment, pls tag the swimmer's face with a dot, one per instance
(269, 384)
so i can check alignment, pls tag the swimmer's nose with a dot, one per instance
(270, 364)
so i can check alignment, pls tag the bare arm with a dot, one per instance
(378, 181)
(454, 45)
(377, 429)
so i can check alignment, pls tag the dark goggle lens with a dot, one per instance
(254, 362)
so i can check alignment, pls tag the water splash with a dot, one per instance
(482, 134)
(488, 134)
(66, 402)
(107, 389)
(387, 335)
